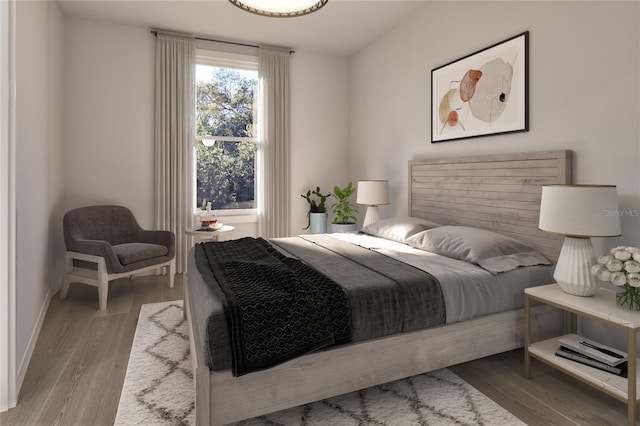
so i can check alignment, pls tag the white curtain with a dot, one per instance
(274, 211)
(175, 121)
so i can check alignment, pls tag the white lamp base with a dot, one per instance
(573, 270)
(371, 216)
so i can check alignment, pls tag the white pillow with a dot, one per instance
(398, 228)
(491, 251)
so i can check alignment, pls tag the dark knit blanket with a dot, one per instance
(277, 308)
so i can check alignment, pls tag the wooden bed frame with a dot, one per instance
(499, 192)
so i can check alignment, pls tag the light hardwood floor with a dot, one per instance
(80, 359)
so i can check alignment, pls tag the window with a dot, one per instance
(226, 145)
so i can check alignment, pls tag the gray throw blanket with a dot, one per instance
(386, 296)
(277, 308)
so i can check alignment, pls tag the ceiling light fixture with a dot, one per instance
(280, 8)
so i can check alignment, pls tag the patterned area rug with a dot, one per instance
(158, 389)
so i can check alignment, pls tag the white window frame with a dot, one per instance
(238, 61)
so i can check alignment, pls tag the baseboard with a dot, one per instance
(33, 339)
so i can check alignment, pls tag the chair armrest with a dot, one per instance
(164, 238)
(98, 248)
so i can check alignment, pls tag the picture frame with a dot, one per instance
(484, 93)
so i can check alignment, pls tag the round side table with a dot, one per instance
(198, 234)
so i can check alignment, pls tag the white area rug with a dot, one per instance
(158, 389)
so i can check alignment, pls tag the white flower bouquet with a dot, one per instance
(621, 268)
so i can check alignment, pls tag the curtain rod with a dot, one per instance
(155, 33)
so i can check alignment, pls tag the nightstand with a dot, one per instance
(600, 307)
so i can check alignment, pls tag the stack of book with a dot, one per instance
(594, 354)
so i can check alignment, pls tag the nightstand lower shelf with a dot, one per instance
(611, 384)
(600, 307)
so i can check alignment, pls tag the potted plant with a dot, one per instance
(317, 210)
(344, 219)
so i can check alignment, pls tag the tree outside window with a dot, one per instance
(225, 112)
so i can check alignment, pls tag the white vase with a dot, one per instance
(318, 223)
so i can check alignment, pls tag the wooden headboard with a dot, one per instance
(496, 192)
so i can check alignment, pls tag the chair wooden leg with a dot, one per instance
(65, 286)
(103, 285)
(65, 279)
(172, 272)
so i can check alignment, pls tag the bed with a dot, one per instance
(499, 193)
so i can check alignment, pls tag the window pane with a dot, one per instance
(225, 101)
(225, 107)
(225, 175)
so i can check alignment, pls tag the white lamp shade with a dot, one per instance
(373, 192)
(580, 210)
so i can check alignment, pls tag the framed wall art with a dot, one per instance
(484, 93)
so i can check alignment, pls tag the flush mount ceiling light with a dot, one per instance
(280, 8)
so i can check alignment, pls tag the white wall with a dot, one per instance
(39, 137)
(8, 392)
(109, 121)
(109, 92)
(319, 128)
(583, 79)
(56, 140)
(583, 91)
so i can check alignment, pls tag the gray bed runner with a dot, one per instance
(386, 295)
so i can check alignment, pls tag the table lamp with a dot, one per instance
(372, 193)
(579, 212)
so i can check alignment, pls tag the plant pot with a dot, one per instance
(343, 227)
(318, 223)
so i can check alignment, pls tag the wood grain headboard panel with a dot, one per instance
(496, 192)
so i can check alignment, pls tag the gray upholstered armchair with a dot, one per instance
(105, 243)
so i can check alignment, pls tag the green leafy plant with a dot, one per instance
(343, 210)
(316, 205)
